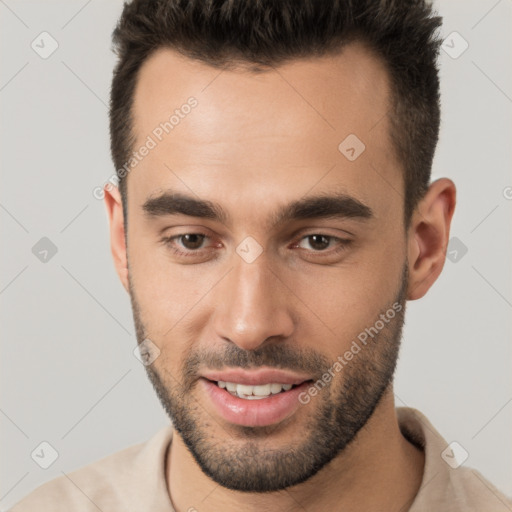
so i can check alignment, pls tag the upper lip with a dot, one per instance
(256, 377)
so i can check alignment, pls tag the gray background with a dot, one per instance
(68, 373)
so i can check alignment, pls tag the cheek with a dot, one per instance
(168, 295)
(337, 304)
(336, 310)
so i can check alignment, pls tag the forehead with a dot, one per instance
(256, 134)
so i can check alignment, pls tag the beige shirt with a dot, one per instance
(134, 479)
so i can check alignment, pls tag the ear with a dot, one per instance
(428, 236)
(117, 232)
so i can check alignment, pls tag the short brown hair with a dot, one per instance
(222, 33)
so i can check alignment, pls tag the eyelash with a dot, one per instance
(343, 244)
(168, 241)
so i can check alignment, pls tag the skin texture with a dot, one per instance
(253, 143)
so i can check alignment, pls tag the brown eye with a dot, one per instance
(318, 242)
(192, 241)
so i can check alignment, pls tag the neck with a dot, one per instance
(379, 470)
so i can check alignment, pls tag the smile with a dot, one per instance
(253, 392)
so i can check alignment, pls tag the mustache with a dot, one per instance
(279, 356)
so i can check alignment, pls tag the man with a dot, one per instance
(273, 216)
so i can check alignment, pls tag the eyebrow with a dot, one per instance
(335, 205)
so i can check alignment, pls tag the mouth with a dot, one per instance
(258, 392)
(253, 399)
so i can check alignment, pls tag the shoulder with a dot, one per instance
(115, 482)
(447, 484)
(473, 492)
(460, 490)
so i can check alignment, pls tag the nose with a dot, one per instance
(252, 305)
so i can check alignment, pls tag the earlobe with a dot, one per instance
(114, 207)
(429, 232)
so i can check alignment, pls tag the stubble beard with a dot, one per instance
(242, 461)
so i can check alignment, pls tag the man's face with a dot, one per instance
(265, 286)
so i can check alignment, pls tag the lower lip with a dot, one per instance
(253, 413)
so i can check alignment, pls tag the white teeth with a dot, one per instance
(261, 390)
(253, 392)
(275, 388)
(242, 389)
